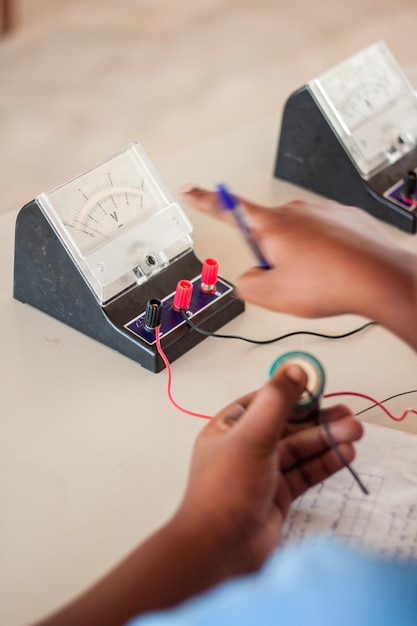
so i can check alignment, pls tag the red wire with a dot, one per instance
(381, 406)
(169, 383)
(208, 417)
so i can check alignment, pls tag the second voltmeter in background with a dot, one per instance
(351, 135)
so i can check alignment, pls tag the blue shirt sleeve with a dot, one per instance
(317, 582)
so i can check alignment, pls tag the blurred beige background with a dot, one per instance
(200, 85)
(82, 79)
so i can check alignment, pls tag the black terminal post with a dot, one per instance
(153, 314)
(410, 184)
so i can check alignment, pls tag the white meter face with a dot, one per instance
(118, 221)
(366, 101)
(105, 214)
(372, 107)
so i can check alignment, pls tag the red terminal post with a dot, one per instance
(183, 294)
(209, 275)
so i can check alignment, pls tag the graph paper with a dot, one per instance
(384, 520)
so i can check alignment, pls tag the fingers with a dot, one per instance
(202, 200)
(207, 202)
(227, 417)
(262, 422)
(260, 287)
(314, 471)
(312, 442)
(336, 412)
(307, 457)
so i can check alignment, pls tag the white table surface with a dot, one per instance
(93, 457)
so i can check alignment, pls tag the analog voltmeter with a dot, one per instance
(94, 250)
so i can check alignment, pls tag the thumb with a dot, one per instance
(262, 423)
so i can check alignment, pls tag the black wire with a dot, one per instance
(322, 419)
(207, 333)
(341, 456)
(396, 395)
(298, 332)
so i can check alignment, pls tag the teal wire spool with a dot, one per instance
(308, 405)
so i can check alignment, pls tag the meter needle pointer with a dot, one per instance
(232, 204)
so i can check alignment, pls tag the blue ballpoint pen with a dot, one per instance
(230, 203)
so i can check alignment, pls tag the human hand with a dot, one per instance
(246, 471)
(244, 474)
(326, 259)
